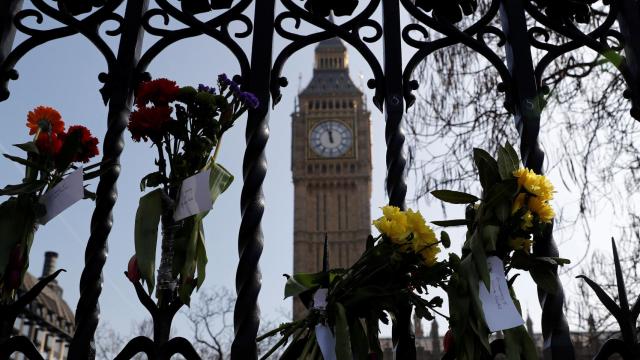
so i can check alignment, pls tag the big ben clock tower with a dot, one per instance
(331, 165)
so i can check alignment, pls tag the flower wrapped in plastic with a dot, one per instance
(51, 156)
(345, 306)
(185, 125)
(513, 214)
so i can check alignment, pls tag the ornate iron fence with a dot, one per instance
(260, 73)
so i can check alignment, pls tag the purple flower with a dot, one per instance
(224, 81)
(249, 99)
(205, 88)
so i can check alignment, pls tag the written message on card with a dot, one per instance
(66, 193)
(499, 310)
(195, 196)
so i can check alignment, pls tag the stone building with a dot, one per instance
(331, 165)
(48, 321)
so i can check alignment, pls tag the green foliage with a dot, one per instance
(146, 235)
(454, 197)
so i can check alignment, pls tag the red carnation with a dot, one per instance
(159, 91)
(49, 144)
(133, 272)
(146, 123)
(88, 144)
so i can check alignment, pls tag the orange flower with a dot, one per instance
(45, 119)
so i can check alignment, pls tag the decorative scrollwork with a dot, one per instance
(348, 31)
(217, 28)
(452, 36)
(563, 24)
(88, 27)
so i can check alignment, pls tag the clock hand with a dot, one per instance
(331, 133)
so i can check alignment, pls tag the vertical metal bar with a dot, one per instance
(121, 85)
(246, 316)
(528, 106)
(8, 10)
(402, 332)
(629, 21)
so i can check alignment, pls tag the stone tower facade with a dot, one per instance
(331, 165)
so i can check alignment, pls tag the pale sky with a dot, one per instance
(64, 75)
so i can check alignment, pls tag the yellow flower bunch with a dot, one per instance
(535, 184)
(535, 200)
(398, 225)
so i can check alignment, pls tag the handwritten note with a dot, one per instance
(194, 197)
(324, 336)
(66, 193)
(499, 310)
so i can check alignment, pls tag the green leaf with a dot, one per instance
(146, 234)
(454, 197)
(201, 257)
(445, 239)
(219, 181)
(480, 259)
(343, 343)
(519, 344)
(490, 236)
(152, 180)
(29, 147)
(499, 194)
(24, 188)
(359, 342)
(25, 162)
(301, 282)
(450, 223)
(508, 161)
(487, 168)
(17, 226)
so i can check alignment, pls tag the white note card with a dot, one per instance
(499, 310)
(326, 342)
(66, 193)
(194, 197)
(324, 336)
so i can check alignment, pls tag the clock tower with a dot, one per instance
(331, 166)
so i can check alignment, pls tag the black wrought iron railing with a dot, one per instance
(392, 86)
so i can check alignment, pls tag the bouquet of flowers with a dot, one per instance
(53, 158)
(513, 214)
(346, 305)
(185, 125)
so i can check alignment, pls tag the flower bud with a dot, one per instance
(448, 342)
(16, 260)
(133, 272)
(13, 280)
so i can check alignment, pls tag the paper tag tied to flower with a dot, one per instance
(200, 191)
(324, 336)
(66, 193)
(499, 310)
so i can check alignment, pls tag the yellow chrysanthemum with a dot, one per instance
(521, 244)
(542, 208)
(527, 221)
(393, 224)
(535, 184)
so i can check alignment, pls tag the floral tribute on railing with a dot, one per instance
(345, 306)
(185, 125)
(513, 214)
(53, 181)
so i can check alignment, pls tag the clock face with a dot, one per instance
(331, 139)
